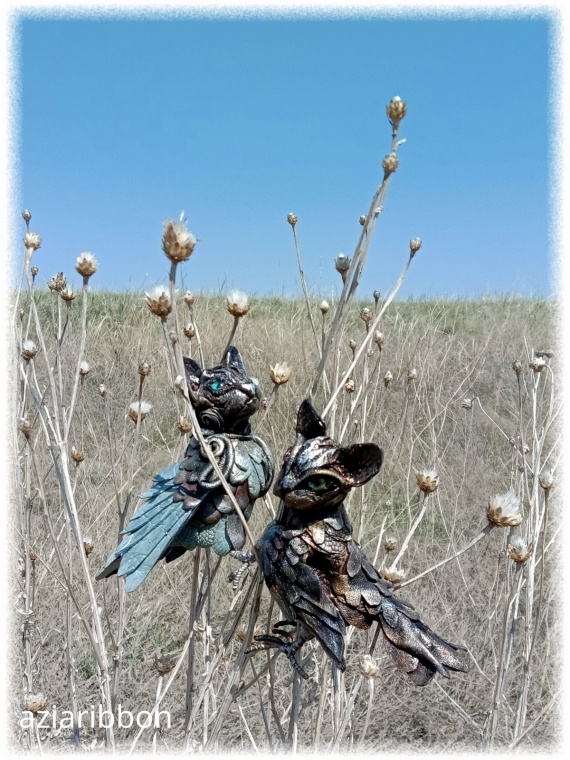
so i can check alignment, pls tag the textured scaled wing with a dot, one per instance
(300, 589)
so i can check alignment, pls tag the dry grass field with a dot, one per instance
(452, 403)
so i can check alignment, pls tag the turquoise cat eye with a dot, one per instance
(318, 484)
(216, 385)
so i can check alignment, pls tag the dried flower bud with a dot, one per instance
(86, 264)
(264, 403)
(366, 316)
(537, 364)
(137, 409)
(546, 354)
(378, 338)
(189, 298)
(393, 574)
(517, 367)
(376, 296)
(34, 271)
(35, 703)
(183, 425)
(238, 303)
(26, 216)
(280, 374)
(349, 385)
(396, 110)
(342, 264)
(102, 390)
(390, 164)
(179, 384)
(88, 545)
(388, 503)
(32, 241)
(177, 242)
(58, 283)
(467, 403)
(546, 479)
(388, 377)
(144, 369)
(352, 345)
(412, 374)
(370, 353)
(390, 543)
(415, 245)
(163, 663)
(324, 306)
(24, 426)
(159, 302)
(189, 330)
(173, 335)
(33, 555)
(292, 219)
(367, 666)
(503, 510)
(427, 480)
(519, 551)
(512, 441)
(67, 295)
(29, 350)
(84, 368)
(76, 455)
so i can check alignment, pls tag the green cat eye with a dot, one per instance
(319, 483)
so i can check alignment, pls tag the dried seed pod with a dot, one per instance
(34, 271)
(67, 295)
(35, 703)
(378, 338)
(390, 543)
(388, 377)
(189, 330)
(238, 303)
(184, 425)
(537, 364)
(292, 219)
(32, 241)
(139, 408)
(415, 245)
(280, 374)
(546, 354)
(84, 368)
(26, 216)
(546, 479)
(517, 367)
(24, 426)
(102, 390)
(367, 666)
(342, 264)
(503, 510)
(159, 302)
(144, 369)
(396, 110)
(189, 298)
(362, 220)
(163, 663)
(324, 306)
(29, 350)
(86, 264)
(393, 574)
(467, 403)
(177, 242)
(412, 374)
(366, 316)
(88, 545)
(352, 345)
(58, 283)
(370, 353)
(390, 164)
(76, 455)
(519, 551)
(427, 480)
(349, 385)
(376, 296)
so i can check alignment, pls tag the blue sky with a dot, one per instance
(124, 123)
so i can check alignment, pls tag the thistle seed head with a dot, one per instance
(349, 385)
(324, 306)
(86, 264)
(292, 219)
(144, 369)
(366, 316)
(342, 264)
(376, 296)
(102, 390)
(393, 574)
(427, 480)
(58, 283)
(504, 510)
(163, 663)
(177, 242)
(26, 216)
(35, 703)
(367, 666)
(517, 367)
(467, 403)
(352, 345)
(396, 110)
(370, 353)
(390, 543)
(378, 338)
(388, 377)
(159, 302)
(76, 455)
(84, 368)
(184, 425)
(546, 479)
(362, 220)
(137, 409)
(189, 330)
(67, 295)
(412, 374)
(415, 245)
(519, 551)
(34, 271)
(24, 426)
(537, 364)
(29, 350)
(88, 545)
(32, 241)
(189, 299)
(238, 303)
(280, 374)
(390, 164)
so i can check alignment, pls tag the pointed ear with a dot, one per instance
(360, 462)
(193, 371)
(233, 359)
(309, 424)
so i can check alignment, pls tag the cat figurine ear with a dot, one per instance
(193, 373)
(233, 359)
(359, 462)
(309, 424)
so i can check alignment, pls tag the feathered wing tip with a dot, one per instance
(414, 647)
